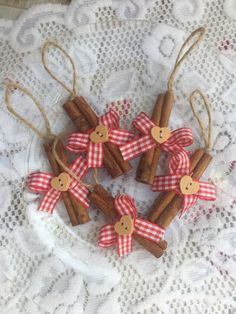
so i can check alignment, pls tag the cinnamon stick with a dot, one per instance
(80, 210)
(168, 204)
(105, 202)
(76, 211)
(76, 116)
(148, 163)
(84, 118)
(65, 195)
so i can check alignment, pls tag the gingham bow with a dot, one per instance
(108, 237)
(80, 142)
(179, 166)
(179, 138)
(40, 182)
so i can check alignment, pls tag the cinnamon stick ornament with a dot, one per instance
(167, 205)
(157, 136)
(76, 209)
(85, 119)
(93, 142)
(104, 201)
(128, 226)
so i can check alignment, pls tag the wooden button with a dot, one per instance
(160, 135)
(100, 134)
(188, 186)
(125, 225)
(61, 183)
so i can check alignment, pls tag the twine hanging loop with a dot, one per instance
(8, 91)
(207, 138)
(44, 50)
(199, 33)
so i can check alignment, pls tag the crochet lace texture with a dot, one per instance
(123, 52)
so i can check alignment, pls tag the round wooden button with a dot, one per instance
(100, 134)
(61, 183)
(160, 135)
(188, 186)
(125, 225)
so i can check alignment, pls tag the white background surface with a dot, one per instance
(122, 50)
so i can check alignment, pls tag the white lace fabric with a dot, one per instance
(122, 50)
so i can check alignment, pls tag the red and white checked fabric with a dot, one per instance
(80, 142)
(179, 139)
(40, 182)
(179, 166)
(125, 205)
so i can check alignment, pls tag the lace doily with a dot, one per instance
(123, 50)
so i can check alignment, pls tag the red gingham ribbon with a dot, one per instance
(179, 166)
(40, 182)
(179, 138)
(125, 205)
(80, 142)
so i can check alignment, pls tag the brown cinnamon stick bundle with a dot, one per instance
(149, 161)
(76, 211)
(84, 118)
(105, 202)
(167, 205)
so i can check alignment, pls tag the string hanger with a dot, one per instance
(207, 138)
(199, 33)
(44, 50)
(73, 94)
(48, 135)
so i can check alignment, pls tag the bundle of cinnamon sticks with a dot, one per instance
(78, 214)
(146, 170)
(85, 119)
(103, 200)
(168, 204)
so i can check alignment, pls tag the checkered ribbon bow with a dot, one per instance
(179, 167)
(40, 182)
(178, 139)
(108, 236)
(80, 142)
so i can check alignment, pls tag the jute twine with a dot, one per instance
(199, 33)
(44, 50)
(206, 137)
(48, 136)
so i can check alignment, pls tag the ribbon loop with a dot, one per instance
(49, 201)
(39, 182)
(166, 183)
(111, 119)
(143, 123)
(125, 205)
(137, 147)
(179, 163)
(180, 138)
(77, 142)
(107, 236)
(95, 155)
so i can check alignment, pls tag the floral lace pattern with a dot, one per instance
(122, 50)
